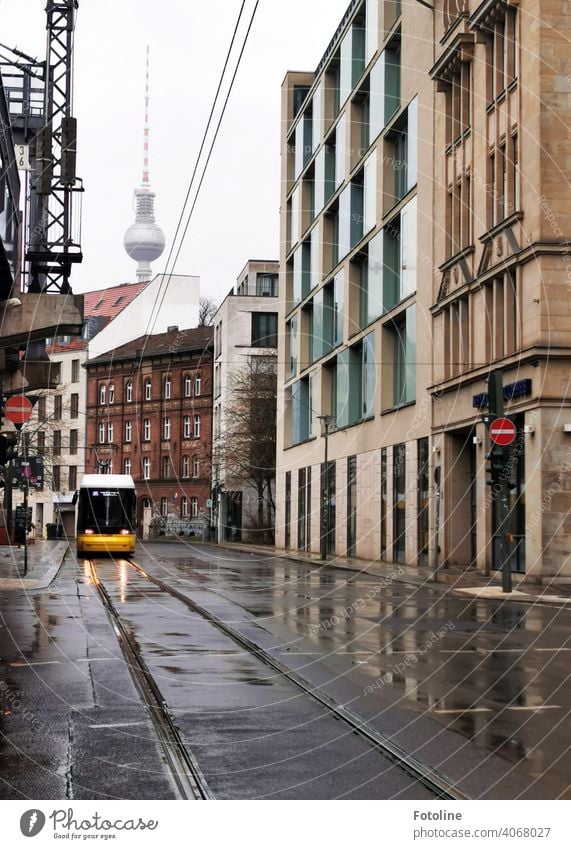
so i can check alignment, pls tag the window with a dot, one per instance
(194, 506)
(75, 371)
(185, 467)
(110, 432)
(57, 408)
(127, 466)
(287, 518)
(147, 430)
(195, 467)
(355, 382)
(148, 390)
(403, 330)
(111, 393)
(101, 433)
(351, 505)
(73, 436)
(74, 406)
(56, 472)
(457, 102)
(350, 218)
(166, 428)
(267, 285)
(302, 271)
(399, 502)
(300, 417)
(167, 387)
(502, 50)
(146, 468)
(186, 427)
(129, 391)
(196, 427)
(42, 408)
(128, 431)
(265, 329)
(165, 468)
(197, 385)
(55, 373)
(57, 443)
(291, 336)
(164, 506)
(72, 480)
(184, 507)
(102, 393)
(41, 440)
(187, 386)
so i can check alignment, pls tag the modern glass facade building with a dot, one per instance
(356, 153)
(425, 230)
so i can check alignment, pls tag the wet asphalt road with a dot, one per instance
(477, 689)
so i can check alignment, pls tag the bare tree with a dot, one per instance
(206, 311)
(247, 454)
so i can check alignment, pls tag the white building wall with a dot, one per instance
(168, 301)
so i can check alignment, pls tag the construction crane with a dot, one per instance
(52, 247)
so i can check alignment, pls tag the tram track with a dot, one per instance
(434, 781)
(183, 766)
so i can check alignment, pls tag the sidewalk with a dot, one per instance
(457, 579)
(44, 561)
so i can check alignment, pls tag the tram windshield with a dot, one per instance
(104, 510)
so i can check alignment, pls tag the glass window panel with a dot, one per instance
(344, 237)
(391, 265)
(370, 199)
(297, 274)
(317, 118)
(340, 150)
(346, 75)
(338, 307)
(315, 257)
(356, 228)
(408, 249)
(298, 148)
(392, 81)
(342, 389)
(412, 144)
(294, 227)
(317, 327)
(368, 376)
(372, 36)
(319, 192)
(374, 299)
(292, 330)
(377, 98)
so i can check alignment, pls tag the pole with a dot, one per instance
(500, 483)
(25, 529)
(325, 537)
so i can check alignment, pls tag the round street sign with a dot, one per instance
(18, 409)
(502, 431)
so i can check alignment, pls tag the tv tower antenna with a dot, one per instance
(144, 240)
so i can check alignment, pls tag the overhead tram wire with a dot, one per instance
(195, 170)
(213, 142)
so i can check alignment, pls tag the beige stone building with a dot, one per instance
(424, 227)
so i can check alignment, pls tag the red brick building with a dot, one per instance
(149, 414)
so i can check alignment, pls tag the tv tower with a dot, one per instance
(144, 240)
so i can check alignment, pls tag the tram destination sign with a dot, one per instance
(502, 431)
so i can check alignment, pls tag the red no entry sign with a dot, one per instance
(18, 409)
(502, 431)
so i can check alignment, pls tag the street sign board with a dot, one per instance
(28, 472)
(18, 409)
(502, 431)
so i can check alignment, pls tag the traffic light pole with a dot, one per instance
(500, 490)
(26, 529)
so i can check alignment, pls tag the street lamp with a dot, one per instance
(326, 422)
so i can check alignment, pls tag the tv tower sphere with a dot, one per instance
(144, 240)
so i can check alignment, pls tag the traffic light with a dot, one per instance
(498, 465)
(44, 160)
(8, 447)
(68, 150)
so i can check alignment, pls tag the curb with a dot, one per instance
(42, 573)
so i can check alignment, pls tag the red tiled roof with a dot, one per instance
(102, 305)
(109, 302)
(170, 342)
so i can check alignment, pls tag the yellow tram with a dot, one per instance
(106, 515)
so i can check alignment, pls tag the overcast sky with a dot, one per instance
(236, 217)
